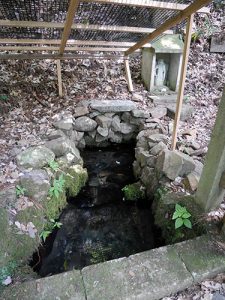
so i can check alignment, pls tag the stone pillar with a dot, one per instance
(211, 190)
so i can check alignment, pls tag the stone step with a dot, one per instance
(164, 100)
(108, 106)
(186, 111)
(151, 275)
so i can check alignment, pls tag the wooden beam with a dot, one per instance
(180, 95)
(150, 4)
(34, 24)
(128, 75)
(59, 76)
(68, 25)
(53, 48)
(69, 42)
(58, 42)
(30, 56)
(192, 8)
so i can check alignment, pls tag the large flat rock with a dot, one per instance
(201, 258)
(164, 100)
(149, 275)
(186, 111)
(66, 286)
(104, 106)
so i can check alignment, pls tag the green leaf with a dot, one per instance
(187, 223)
(179, 222)
(186, 215)
(176, 215)
(45, 234)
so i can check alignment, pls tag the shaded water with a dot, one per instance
(98, 225)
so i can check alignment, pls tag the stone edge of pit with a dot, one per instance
(148, 275)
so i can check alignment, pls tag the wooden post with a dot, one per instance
(128, 75)
(59, 75)
(183, 73)
(69, 22)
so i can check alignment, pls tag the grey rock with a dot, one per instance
(115, 137)
(170, 164)
(103, 131)
(94, 114)
(8, 197)
(142, 156)
(158, 148)
(76, 136)
(99, 138)
(218, 296)
(188, 164)
(192, 180)
(164, 100)
(112, 106)
(69, 159)
(137, 113)
(63, 146)
(137, 98)
(158, 112)
(103, 121)
(156, 138)
(36, 183)
(147, 174)
(92, 133)
(116, 125)
(65, 123)
(81, 144)
(85, 124)
(128, 137)
(136, 169)
(126, 117)
(137, 121)
(81, 111)
(127, 128)
(186, 112)
(109, 115)
(174, 164)
(55, 134)
(143, 143)
(35, 157)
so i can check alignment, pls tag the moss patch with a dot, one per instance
(75, 179)
(134, 192)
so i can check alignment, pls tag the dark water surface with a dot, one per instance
(98, 225)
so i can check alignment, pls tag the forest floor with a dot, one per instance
(29, 99)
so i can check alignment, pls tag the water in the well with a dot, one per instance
(98, 225)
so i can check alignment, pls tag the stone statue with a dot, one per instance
(160, 72)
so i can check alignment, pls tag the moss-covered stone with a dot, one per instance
(164, 207)
(75, 179)
(53, 206)
(134, 191)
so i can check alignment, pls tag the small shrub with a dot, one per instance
(20, 191)
(58, 186)
(133, 192)
(52, 224)
(181, 217)
(54, 166)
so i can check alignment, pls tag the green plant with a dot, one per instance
(181, 217)
(57, 187)
(20, 191)
(160, 192)
(52, 224)
(53, 165)
(3, 98)
(7, 271)
(204, 30)
(133, 192)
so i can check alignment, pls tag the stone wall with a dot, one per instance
(97, 123)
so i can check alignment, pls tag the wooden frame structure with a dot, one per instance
(61, 49)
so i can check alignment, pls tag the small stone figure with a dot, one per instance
(160, 73)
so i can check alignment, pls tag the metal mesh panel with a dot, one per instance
(88, 13)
